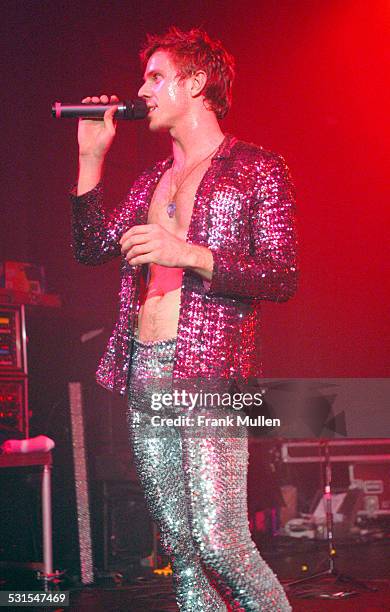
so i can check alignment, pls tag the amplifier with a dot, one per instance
(374, 481)
(116, 466)
(14, 415)
(122, 527)
(13, 407)
(12, 340)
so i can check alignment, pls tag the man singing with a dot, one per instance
(204, 236)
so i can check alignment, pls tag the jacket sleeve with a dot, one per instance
(95, 235)
(269, 271)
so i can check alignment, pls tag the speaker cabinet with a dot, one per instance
(123, 532)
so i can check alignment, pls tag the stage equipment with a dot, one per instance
(115, 530)
(14, 412)
(13, 372)
(22, 276)
(128, 109)
(313, 526)
(324, 456)
(374, 481)
(123, 529)
(345, 451)
(368, 468)
(13, 408)
(81, 482)
(44, 460)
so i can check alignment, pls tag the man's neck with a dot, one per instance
(191, 143)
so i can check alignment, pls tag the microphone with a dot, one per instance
(128, 109)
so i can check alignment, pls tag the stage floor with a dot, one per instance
(157, 596)
(365, 561)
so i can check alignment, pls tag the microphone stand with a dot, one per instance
(331, 569)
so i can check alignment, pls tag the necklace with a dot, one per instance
(171, 206)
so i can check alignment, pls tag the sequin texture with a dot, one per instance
(151, 364)
(244, 212)
(197, 494)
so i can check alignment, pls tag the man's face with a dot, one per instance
(167, 97)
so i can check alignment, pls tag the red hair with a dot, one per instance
(195, 50)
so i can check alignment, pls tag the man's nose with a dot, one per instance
(142, 93)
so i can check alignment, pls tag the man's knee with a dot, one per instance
(216, 556)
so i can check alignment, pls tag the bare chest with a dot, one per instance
(182, 196)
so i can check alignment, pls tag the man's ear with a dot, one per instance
(199, 80)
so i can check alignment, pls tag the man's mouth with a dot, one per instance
(152, 107)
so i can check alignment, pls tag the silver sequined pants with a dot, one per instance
(195, 489)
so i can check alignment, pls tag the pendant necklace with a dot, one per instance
(171, 206)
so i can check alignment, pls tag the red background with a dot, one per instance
(311, 85)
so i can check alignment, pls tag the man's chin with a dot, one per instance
(155, 127)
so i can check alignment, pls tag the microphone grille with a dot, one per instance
(138, 108)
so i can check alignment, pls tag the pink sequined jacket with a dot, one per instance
(244, 212)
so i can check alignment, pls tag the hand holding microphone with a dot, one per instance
(96, 131)
(95, 136)
(95, 108)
